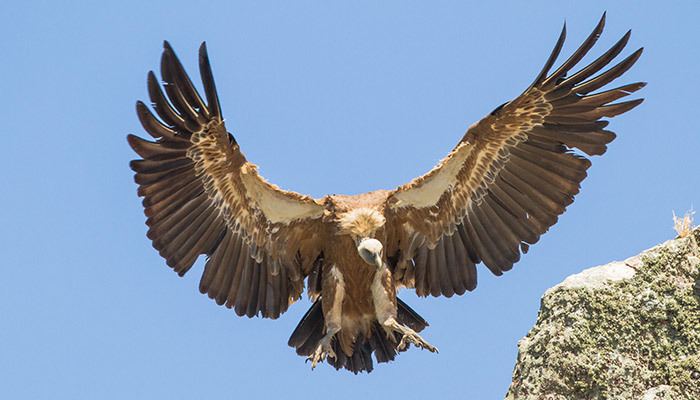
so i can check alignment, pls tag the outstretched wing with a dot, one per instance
(509, 178)
(201, 196)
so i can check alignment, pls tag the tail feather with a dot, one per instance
(407, 316)
(308, 334)
(309, 331)
(360, 361)
(384, 348)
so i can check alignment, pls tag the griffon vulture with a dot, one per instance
(501, 187)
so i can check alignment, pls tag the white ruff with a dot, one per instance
(362, 222)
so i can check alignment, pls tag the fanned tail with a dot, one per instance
(310, 331)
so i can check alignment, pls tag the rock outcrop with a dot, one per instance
(625, 330)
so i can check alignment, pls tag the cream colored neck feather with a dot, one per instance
(361, 222)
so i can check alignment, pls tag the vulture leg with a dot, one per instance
(333, 289)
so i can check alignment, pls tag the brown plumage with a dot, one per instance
(503, 185)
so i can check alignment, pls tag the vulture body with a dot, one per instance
(503, 185)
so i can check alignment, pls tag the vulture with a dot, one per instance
(501, 187)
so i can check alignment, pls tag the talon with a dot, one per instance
(402, 344)
(316, 357)
(330, 353)
(322, 352)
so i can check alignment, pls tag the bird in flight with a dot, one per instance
(502, 186)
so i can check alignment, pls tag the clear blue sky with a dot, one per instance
(328, 97)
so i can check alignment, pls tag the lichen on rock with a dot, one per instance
(625, 330)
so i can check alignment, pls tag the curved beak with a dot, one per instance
(378, 260)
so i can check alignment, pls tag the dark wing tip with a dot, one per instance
(208, 81)
(633, 103)
(133, 141)
(169, 53)
(632, 58)
(203, 52)
(601, 24)
(562, 35)
(151, 78)
(552, 58)
(577, 55)
(139, 107)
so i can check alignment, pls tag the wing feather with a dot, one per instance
(433, 273)
(452, 267)
(421, 262)
(510, 177)
(202, 197)
(232, 276)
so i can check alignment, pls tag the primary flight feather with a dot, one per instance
(503, 185)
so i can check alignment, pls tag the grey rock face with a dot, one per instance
(625, 330)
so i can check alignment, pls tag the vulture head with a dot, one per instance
(362, 224)
(370, 250)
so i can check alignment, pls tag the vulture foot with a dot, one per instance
(416, 339)
(409, 336)
(323, 351)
